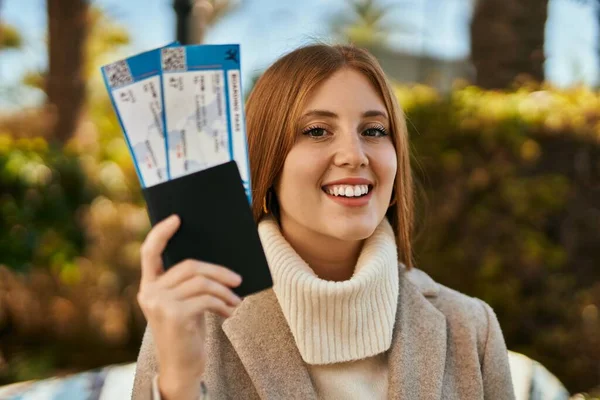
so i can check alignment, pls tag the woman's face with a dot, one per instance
(338, 178)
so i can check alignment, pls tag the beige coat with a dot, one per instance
(445, 346)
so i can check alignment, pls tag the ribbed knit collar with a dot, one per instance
(336, 321)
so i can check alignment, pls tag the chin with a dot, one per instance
(352, 228)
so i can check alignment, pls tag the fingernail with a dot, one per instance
(173, 219)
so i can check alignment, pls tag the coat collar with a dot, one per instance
(423, 282)
(262, 339)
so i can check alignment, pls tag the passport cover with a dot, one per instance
(216, 224)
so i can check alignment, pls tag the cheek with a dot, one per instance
(301, 172)
(385, 165)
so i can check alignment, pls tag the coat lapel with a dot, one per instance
(418, 353)
(262, 339)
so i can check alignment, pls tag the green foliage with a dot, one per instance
(41, 189)
(364, 24)
(512, 183)
(10, 38)
(105, 34)
(33, 365)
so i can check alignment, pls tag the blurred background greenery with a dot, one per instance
(506, 143)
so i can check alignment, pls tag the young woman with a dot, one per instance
(348, 316)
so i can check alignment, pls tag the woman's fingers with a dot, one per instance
(200, 304)
(201, 285)
(155, 243)
(189, 269)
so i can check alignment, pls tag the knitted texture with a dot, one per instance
(334, 322)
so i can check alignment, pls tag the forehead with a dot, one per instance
(345, 89)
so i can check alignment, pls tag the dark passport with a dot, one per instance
(216, 224)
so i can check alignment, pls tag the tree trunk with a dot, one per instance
(65, 84)
(507, 41)
(183, 8)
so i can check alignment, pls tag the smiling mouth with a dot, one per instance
(347, 191)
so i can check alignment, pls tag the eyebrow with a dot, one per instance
(330, 114)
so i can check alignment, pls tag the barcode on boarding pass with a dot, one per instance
(173, 59)
(118, 74)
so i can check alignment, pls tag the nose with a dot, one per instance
(350, 151)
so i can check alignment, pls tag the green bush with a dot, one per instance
(41, 189)
(509, 211)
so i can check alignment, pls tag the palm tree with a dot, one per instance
(364, 26)
(507, 41)
(65, 83)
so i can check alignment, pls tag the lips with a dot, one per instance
(348, 188)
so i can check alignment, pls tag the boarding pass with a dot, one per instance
(181, 110)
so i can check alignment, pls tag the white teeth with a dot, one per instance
(347, 190)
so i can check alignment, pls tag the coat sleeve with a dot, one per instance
(146, 369)
(497, 381)
(145, 384)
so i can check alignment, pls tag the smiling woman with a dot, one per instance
(336, 120)
(348, 316)
(339, 147)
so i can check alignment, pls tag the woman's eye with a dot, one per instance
(316, 132)
(375, 132)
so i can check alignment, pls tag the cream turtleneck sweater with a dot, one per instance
(342, 329)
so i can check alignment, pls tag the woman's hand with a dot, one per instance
(174, 303)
